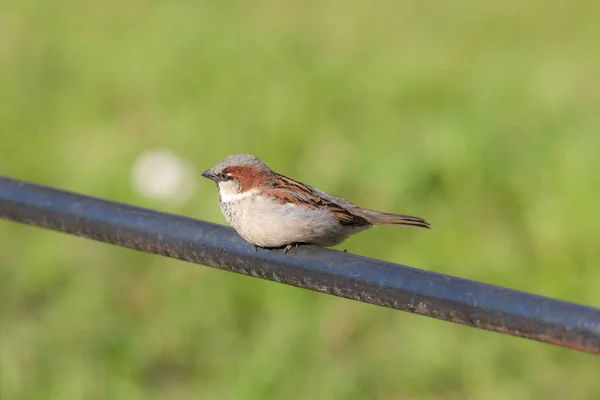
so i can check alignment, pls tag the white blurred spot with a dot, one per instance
(162, 175)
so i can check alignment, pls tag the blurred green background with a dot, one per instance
(480, 116)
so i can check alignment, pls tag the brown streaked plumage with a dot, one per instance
(286, 190)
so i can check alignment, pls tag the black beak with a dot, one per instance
(208, 174)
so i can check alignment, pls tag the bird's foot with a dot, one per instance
(289, 246)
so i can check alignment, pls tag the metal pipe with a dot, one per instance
(341, 274)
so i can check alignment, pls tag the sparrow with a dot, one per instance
(270, 210)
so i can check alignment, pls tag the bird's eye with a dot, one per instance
(225, 176)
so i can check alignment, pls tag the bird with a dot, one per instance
(270, 210)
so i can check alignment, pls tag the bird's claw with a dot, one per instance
(289, 246)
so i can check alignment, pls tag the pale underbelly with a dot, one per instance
(280, 225)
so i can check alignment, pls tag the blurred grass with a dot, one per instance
(481, 117)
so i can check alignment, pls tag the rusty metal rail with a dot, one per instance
(341, 274)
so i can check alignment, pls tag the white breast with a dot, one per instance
(267, 223)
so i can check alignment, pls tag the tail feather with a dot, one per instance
(380, 218)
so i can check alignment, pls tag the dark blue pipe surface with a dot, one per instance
(341, 274)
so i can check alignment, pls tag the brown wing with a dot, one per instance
(286, 190)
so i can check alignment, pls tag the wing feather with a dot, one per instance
(288, 191)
